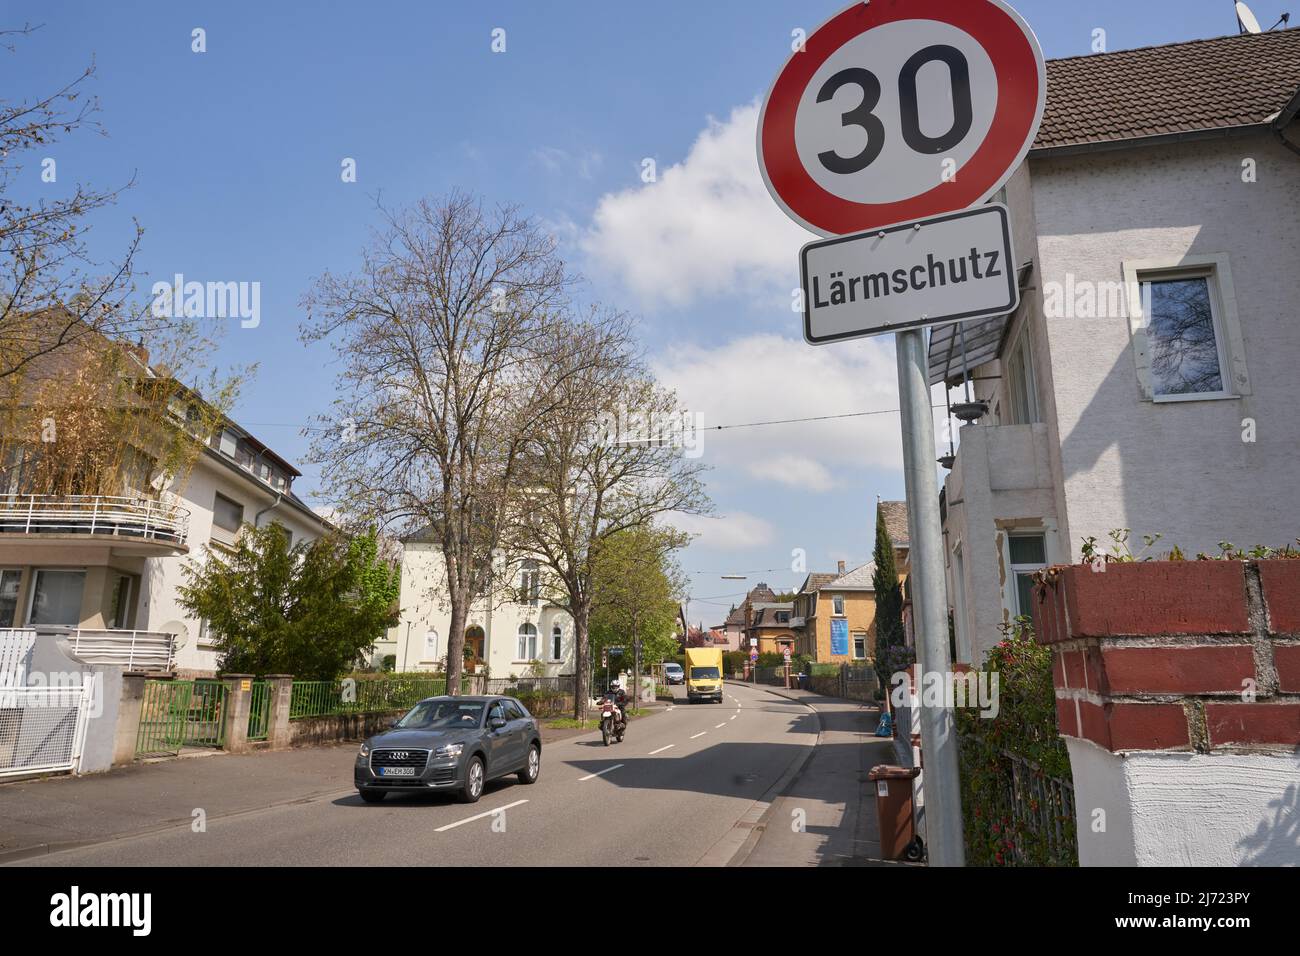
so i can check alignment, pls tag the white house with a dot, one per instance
(504, 635)
(1146, 380)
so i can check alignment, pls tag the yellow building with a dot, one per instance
(769, 628)
(834, 616)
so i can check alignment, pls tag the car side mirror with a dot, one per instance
(496, 723)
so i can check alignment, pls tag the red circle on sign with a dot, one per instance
(1017, 62)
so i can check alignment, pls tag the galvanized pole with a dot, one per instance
(925, 584)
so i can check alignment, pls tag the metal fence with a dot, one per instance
(94, 514)
(42, 729)
(181, 713)
(1026, 816)
(325, 698)
(259, 710)
(543, 696)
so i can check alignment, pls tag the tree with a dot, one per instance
(636, 585)
(308, 610)
(440, 334)
(597, 465)
(52, 294)
(889, 601)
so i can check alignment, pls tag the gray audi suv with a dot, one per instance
(456, 744)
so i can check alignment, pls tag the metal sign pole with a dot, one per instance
(929, 602)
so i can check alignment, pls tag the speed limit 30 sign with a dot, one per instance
(900, 109)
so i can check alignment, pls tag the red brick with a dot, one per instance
(1281, 583)
(1066, 722)
(1178, 670)
(1049, 615)
(1156, 597)
(1058, 669)
(1073, 661)
(1147, 726)
(1286, 658)
(1095, 672)
(1253, 723)
(1092, 724)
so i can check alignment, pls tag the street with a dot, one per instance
(670, 795)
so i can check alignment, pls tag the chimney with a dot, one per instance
(841, 569)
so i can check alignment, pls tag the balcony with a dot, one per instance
(132, 525)
(130, 650)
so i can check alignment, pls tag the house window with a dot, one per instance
(10, 578)
(557, 643)
(1028, 553)
(123, 590)
(1020, 382)
(859, 646)
(838, 603)
(1187, 339)
(228, 444)
(527, 649)
(56, 597)
(227, 514)
(530, 584)
(431, 644)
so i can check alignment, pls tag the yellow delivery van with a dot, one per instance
(704, 674)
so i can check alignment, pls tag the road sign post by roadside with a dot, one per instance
(890, 121)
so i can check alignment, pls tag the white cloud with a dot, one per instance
(735, 531)
(766, 377)
(706, 227)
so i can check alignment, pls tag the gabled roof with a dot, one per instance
(815, 582)
(1220, 84)
(859, 579)
(895, 513)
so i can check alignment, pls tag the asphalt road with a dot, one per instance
(672, 794)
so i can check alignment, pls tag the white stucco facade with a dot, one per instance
(1092, 449)
(512, 633)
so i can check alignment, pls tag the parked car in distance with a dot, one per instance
(674, 674)
(455, 744)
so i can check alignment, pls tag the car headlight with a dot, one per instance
(364, 751)
(449, 750)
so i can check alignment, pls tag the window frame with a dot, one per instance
(520, 645)
(1217, 272)
(218, 496)
(854, 637)
(1024, 349)
(557, 642)
(1017, 569)
(33, 586)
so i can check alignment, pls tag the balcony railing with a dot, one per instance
(95, 515)
(132, 650)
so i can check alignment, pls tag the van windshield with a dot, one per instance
(704, 673)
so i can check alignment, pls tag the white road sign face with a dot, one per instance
(944, 269)
(895, 110)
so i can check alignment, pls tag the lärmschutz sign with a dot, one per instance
(951, 268)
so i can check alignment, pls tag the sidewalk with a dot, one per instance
(55, 813)
(837, 801)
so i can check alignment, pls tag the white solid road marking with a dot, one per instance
(661, 749)
(700, 734)
(599, 772)
(723, 724)
(480, 816)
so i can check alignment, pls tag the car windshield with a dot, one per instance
(673, 668)
(704, 673)
(443, 715)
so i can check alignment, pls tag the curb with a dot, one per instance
(744, 833)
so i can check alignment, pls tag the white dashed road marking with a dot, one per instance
(599, 772)
(480, 816)
(723, 724)
(700, 734)
(661, 749)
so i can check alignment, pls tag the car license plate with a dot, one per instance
(397, 771)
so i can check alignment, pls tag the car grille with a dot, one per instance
(399, 758)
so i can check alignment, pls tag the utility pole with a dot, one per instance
(929, 600)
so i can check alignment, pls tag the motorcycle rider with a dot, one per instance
(619, 696)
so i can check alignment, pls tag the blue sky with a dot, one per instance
(236, 154)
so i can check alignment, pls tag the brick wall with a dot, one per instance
(1176, 655)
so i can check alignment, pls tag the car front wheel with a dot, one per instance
(472, 789)
(533, 767)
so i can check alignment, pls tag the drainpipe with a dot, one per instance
(257, 518)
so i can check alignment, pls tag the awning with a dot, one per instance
(983, 337)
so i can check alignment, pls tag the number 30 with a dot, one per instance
(909, 110)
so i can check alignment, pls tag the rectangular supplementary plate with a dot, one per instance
(950, 268)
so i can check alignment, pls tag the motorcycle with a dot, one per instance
(613, 722)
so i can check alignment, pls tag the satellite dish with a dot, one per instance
(1246, 21)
